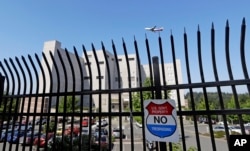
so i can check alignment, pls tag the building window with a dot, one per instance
(89, 56)
(86, 63)
(131, 59)
(116, 79)
(86, 78)
(101, 62)
(99, 77)
(132, 79)
(120, 59)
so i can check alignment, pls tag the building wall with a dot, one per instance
(70, 79)
(169, 78)
(54, 47)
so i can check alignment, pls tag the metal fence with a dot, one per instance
(31, 88)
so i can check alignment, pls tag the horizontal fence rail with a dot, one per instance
(65, 101)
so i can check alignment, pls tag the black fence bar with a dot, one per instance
(1, 87)
(178, 92)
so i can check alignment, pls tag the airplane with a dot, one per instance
(154, 29)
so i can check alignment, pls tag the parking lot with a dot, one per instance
(38, 133)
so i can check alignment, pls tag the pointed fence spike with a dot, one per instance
(227, 23)
(244, 21)
(92, 45)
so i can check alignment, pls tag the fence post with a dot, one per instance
(157, 83)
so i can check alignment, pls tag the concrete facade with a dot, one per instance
(71, 79)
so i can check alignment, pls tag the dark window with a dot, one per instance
(101, 62)
(119, 59)
(131, 78)
(85, 78)
(116, 78)
(99, 77)
(131, 59)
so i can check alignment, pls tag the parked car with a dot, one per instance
(41, 141)
(15, 137)
(85, 131)
(247, 129)
(42, 121)
(59, 130)
(5, 134)
(222, 123)
(116, 133)
(5, 126)
(85, 122)
(30, 137)
(236, 129)
(104, 142)
(75, 131)
(103, 123)
(22, 127)
(103, 131)
(218, 128)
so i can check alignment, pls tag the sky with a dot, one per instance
(25, 26)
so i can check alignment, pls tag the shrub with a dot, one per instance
(219, 134)
(138, 119)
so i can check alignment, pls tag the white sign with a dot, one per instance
(160, 120)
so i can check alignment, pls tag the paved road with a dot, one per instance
(13, 147)
(206, 145)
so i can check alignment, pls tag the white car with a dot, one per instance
(236, 129)
(85, 131)
(219, 128)
(116, 133)
(222, 123)
(103, 123)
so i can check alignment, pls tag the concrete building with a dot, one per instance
(169, 78)
(62, 71)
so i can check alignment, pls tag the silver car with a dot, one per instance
(116, 133)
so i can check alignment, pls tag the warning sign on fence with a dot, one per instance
(160, 120)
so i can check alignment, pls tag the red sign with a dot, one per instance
(160, 109)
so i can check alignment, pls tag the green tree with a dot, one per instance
(136, 98)
(66, 104)
(178, 147)
(7, 105)
(246, 105)
(231, 105)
